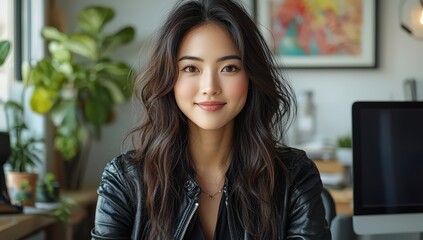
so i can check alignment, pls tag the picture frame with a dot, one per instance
(332, 34)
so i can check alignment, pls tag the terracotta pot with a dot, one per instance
(22, 187)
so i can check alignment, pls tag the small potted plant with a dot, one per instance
(47, 190)
(48, 197)
(24, 157)
(344, 150)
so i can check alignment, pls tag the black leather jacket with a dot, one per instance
(119, 217)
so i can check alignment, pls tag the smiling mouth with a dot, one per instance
(211, 106)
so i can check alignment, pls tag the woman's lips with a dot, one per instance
(211, 106)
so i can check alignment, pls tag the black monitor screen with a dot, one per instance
(388, 157)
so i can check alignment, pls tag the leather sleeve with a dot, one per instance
(306, 218)
(114, 215)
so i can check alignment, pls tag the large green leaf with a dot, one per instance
(117, 69)
(112, 42)
(115, 91)
(4, 51)
(98, 108)
(118, 72)
(52, 34)
(92, 19)
(84, 45)
(59, 51)
(65, 113)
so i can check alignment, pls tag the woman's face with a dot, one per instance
(212, 85)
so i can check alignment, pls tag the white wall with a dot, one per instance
(400, 57)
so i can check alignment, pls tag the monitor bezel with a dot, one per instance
(358, 208)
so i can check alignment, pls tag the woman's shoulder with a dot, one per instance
(296, 162)
(293, 157)
(122, 165)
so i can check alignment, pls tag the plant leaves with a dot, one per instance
(115, 92)
(4, 51)
(13, 106)
(59, 52)
(83, 45)
(53, 34)
(112, 42)
(98, 108)
(92, 19)
(40, 74)
(119, 73)
(68, 146)
(64, 112)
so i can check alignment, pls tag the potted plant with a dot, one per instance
(48, 189)
(21, 182)
(78, 85)
(24, 156)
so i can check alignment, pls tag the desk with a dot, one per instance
(343, 197)
(22, 225)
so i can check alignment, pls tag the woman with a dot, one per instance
(209, 163)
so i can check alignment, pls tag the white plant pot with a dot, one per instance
(344, 156)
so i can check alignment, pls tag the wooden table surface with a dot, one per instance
(343, 197)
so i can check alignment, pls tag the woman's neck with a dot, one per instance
(210, 150)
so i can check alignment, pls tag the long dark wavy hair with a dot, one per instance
(162, 138)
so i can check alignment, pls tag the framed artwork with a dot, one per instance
(320, 34)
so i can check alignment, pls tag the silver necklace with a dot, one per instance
(212, 195)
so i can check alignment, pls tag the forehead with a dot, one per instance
(208, 39)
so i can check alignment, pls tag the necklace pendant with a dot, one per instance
(211, 196)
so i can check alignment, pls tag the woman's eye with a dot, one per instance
(190, 69)
(230, 68)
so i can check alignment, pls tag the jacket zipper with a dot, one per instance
(184, 229)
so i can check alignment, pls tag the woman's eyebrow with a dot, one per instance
(190, 58)
(228, 58)
(202, 60)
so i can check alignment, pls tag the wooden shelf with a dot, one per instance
(329, 166)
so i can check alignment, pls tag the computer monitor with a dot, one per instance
(387, 167)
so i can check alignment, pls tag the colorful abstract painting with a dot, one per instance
(320, 33)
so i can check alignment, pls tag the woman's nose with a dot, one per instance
(210, 84)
